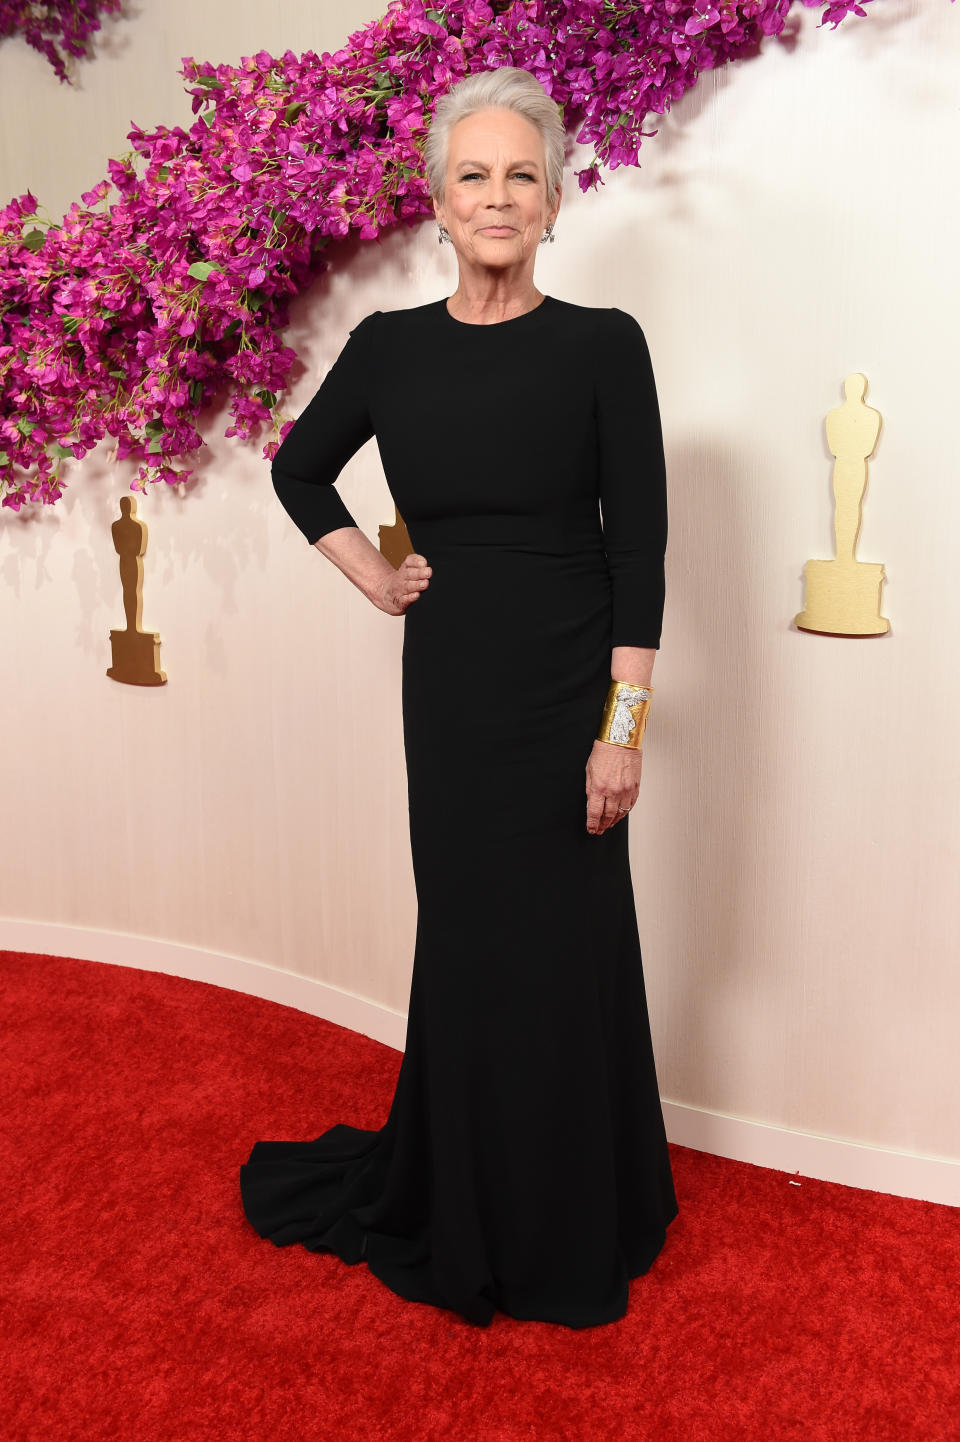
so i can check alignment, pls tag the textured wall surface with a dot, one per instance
(795, 846)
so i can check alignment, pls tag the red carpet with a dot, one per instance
(139, 1304)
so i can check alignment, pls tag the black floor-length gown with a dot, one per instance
(523, 1164)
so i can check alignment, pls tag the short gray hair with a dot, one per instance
(509, 88)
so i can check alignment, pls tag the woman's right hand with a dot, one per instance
(401, 587)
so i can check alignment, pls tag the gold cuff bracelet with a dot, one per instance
(625, 714)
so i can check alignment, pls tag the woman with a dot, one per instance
(523, 1164)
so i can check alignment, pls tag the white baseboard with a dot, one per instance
(830, 1159)
(236, 973)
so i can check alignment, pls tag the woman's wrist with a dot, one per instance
(352, 552)
(633, 664)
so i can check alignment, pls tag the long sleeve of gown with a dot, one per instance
(633, 483)
(333, 427)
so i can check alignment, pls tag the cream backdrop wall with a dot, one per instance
(795, 848)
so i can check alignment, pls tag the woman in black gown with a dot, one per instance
(523, 1164)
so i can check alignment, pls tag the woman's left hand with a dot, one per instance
(613, 784)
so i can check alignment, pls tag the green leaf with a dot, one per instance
(155, 427)
(438, 15)
(71, 324)
(25, 427)
(268, 398)
(209, 82)
(163, 172)
(4, 459)
(155, 446)
(207, 116)
(61, 452)
(255, 300)
(203, 269)
(33, 240)
(293, 110)
(195, 391)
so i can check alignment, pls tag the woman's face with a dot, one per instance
(495, 201)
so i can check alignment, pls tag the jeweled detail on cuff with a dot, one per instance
(622, 722)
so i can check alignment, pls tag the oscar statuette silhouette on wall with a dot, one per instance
(136, 653)
(843, 595)
(395, 541)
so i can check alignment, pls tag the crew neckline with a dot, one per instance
(496, 324)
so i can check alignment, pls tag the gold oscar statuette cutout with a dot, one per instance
(395, 541)
(843, 595)
(136, 653)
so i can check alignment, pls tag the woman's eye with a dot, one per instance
(474, 174)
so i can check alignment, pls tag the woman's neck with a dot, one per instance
(480, 309)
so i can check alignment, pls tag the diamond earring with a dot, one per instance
(444, 234)
(547, 234)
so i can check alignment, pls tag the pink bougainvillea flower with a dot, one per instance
(127, 318)
(57, 28)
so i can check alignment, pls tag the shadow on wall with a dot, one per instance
(711, 850)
